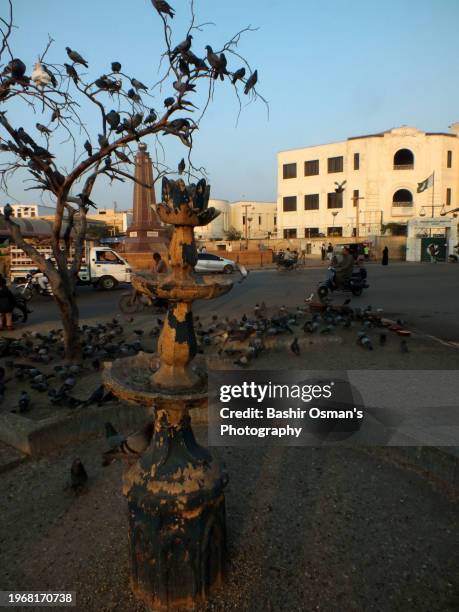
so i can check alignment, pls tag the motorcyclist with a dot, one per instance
(289, 258)
(343, 268)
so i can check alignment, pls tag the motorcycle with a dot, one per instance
(284, 263)
(31, 286)
(355, 285)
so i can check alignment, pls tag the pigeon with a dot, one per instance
(382, 339)
(78, 476)
(151, 117)
(404, 346)
(181, 166)
(365, 342)
(126, 447)
(295, 347)
(163, 7)
(76, 57)
(116, 67)
(113, 119)
(169, 102)
(123, 157)
(8, 211)
(183, 47)
(24, 402)
(182, 88)
(239, 74)
(42, 77)
(183, 67)
(72, 73)
(251, 81)
(138, 85)
(103, 141)
(43, 129)
(132, 95)
(87, 145)
(16, 68)
(24, 137)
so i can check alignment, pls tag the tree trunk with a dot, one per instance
(66, 300)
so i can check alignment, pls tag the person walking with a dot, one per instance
(366, 251)
(330, 251)
(385, 256)
(432, 253)
(7, 304)
(323, 251)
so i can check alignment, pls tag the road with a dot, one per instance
(425, 295)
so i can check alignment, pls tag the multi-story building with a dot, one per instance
(250, 219)
(379, 173)
(117, 220)
(28, 211)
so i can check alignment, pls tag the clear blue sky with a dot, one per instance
(329, 69)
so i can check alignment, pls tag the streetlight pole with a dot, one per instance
(246, 207)
(355, 200)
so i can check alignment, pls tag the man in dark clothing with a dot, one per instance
(7, 304)
(323, 251)
(344, 267)
(160, 266)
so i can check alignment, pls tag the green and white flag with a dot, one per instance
(423, 185)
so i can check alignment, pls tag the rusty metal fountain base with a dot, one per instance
(175, 491)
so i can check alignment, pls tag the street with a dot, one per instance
(424, 295)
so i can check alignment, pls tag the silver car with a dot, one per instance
(208, 262)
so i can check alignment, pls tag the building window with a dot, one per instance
(402, 197)
(290, 233)
(289, 203)
(243, 219)
(355, 197)
(289, 171)
(403, 160)
(311, 167)
(311, 232)
(449, 159)
(32, 214)
(335, 164)
(334, 231)
(275, 220)
(334, 200)
(311, 201)
(448, 196)
(259, 219)
(356, 161)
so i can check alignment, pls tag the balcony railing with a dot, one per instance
(403, 166)
(402, 204)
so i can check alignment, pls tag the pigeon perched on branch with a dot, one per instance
(41, 76)
(239, 74)
(72, 73)
(182, 48)
(123, 157)
(43, 129)
(251, 82)
(138, 85)
(181, 166)
(116, 67)
(16, 68)
(88, 146)
(76, 57)
(8, 211)
(113, 119)
(163, 7)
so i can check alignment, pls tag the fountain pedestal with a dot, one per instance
(176, 504)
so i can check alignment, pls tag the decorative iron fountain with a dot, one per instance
(175, 494)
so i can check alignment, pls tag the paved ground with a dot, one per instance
(425, 295)
(356, 533)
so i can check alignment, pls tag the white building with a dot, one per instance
(379, 172)
(27, 211)
(251, 219)
(218, 227)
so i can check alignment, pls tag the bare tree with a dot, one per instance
(59, 95)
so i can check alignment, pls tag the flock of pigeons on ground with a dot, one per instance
(26, 359)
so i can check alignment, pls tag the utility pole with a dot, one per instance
(246, 225)
(355, 200)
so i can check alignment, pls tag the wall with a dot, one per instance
(376, 180)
